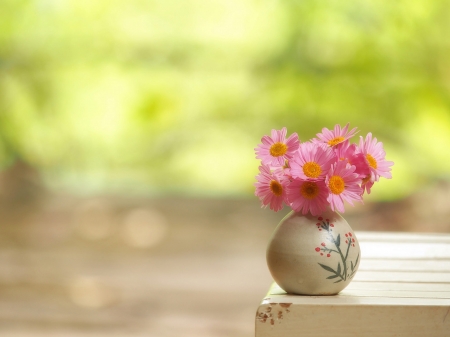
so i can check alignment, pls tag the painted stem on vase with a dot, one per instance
(341, 272)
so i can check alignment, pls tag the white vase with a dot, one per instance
(313, 255)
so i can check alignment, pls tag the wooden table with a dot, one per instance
(402, 288)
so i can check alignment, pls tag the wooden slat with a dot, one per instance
(402, 277)
(331, 301)
(396, 286)
(373, 296)
(395, 293)
(355, 320)
(404, 250)
(430, 266)
(427, 290)
(403, 237)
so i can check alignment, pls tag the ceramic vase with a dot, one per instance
(313, 255)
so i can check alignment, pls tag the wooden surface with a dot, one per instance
(122, 266)
(402, 288)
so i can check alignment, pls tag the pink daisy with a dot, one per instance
(275, 150)
(367, 183)
(312, 161)
(375, 156)
(343, 184)
(336, 136)
(307, 196)
(350, 153)
(271, 188)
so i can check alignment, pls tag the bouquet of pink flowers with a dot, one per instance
(326, 170)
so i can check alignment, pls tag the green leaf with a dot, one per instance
(337, 281)
(339, 268)
(351, 265)
(332, 276)
(357, 258)
(338, 240)
(327, 268)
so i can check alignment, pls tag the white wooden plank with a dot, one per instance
(394, 293)
(393, 276)
(403, 237)
(337, 300)
(289, 320)
(278, 295)
(405, 265)
(404, 250)
(396, 286)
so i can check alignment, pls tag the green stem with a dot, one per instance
(348, 248)
(344, 271)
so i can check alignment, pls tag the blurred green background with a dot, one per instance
(171, 97)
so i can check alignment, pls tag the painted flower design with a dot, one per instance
(336, 136)
(343, 185)
(308, 196)
(271, 188)
(344, 270)
(312, 161)
(276, 149)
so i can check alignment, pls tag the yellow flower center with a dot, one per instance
(336, 184)
(278, 149)
(336, 140)
(372, 161)
(276, 188)
(312, 169)
(309, 190)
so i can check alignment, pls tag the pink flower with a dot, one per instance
(367, 183)
(307, 196)
(343, 185)
(349, 152)
(271, 188)
(312, 161)
(275, 150)
(328, 170)
(375, 156)
(338, 135)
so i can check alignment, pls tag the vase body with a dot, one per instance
(313, 255)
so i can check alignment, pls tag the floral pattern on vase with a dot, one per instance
(344, 271)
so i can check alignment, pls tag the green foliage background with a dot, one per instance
(172, 96)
